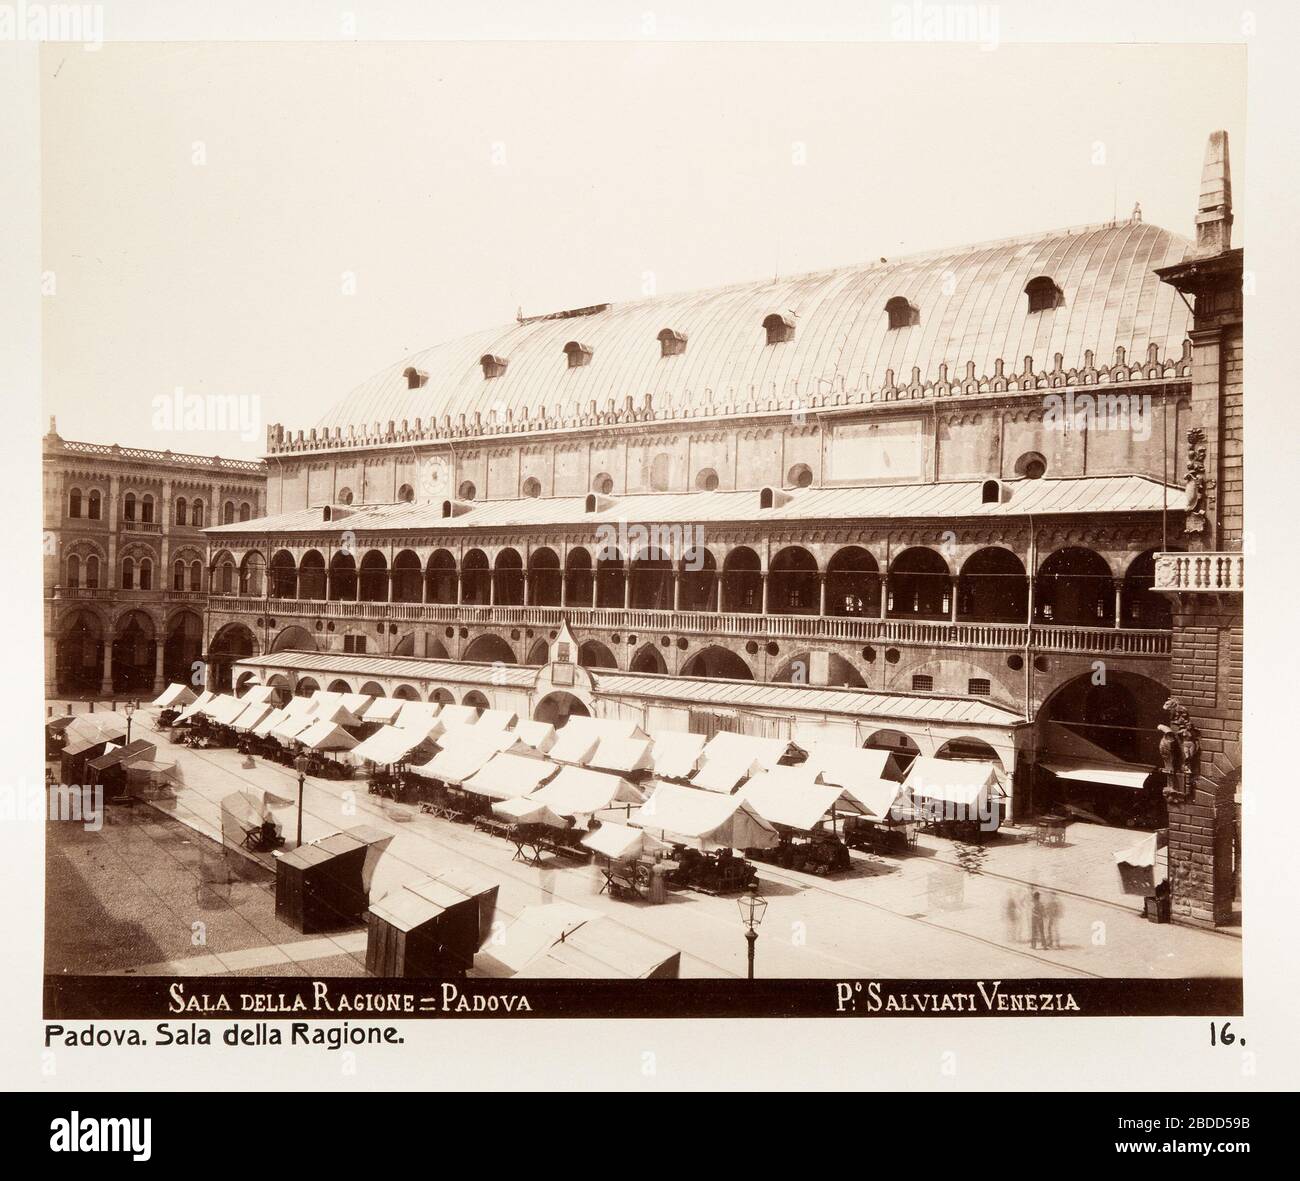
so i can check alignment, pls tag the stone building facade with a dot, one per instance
(1206, 584)
(125, 561)
(932, 482)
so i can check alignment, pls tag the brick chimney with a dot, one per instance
(1214, 213)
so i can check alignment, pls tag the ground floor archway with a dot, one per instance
(231, 643)
(558, 707)
(135, 649)
(79, 654)
(182, 648)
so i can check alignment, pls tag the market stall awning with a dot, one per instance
(729, 758)
(687, 815)
(224, 709)
(624, 755)
(955, 781)
(675, 754)
(324, 735)
(383, 709)
(847, 765)
(268, 724)
(532, 933)
(526, 810)
(391, 744)
(335, 712)
(879, 800)
(300, 707)
(87, 729)
(254, 693)
(791, 797)
(620, 842)
(576, 791)
(1114, 774)
(197, 706)
(574, 747)
(174, 696)
(253, 713)
(509, 776)
(539, 735)
(291, 727)
(455, 764)
(496, 719)
(458, 715)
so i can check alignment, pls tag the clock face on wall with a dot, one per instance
(434, 479)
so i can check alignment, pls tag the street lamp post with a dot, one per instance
(300, 765)
(752, 909)
(128, 708)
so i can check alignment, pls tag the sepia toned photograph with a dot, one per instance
(556, 513)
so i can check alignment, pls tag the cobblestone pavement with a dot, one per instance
(939, 911)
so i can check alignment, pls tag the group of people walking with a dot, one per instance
(1034, 916)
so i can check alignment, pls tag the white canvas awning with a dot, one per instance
(335, 712)
(576, 791)
(496, 719)
(675, 754)
(299, 707)
(847, 765)
(539, 735)
(291, 727)
(1114, 774)
(390, 744)
(455, 764)
(879, 800)
(257, 693)
(574, 747)
(710, 821)
(729, 758)
(175, 696)
(619, 842)
(955, 781)
(527, 810)
(624, 755)
(508, 776)
(321, 734)
(275, 718)
(225, 709)
(383, 709)
(790, 796)
(458, 715)
(196, 706)
(251, 714)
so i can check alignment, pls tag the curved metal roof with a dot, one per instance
(971, 303)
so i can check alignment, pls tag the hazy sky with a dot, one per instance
(204, 205)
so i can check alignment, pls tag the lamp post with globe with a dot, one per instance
(752, 909)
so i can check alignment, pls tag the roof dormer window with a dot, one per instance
(493, 366)
(671, 342)
(1044, 294)
(901, 313)
(415, 378)
(779, 327)
(578, 354)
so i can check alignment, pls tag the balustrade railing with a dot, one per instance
(967, 634)
(1208, 572)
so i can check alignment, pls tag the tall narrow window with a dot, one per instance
(74, 503)
(146, 574)
(180, 511)
(128, 507)
(244, 511)
(196, 514)
(228, 513)
(146, 510)
(74, 571)
(93, 505)
(128, 574)
(196, 575)
(178, 575)
(92, 572)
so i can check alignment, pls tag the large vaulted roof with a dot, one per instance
(970, 308)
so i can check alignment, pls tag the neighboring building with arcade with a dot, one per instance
(125, 561)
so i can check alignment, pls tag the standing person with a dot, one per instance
(1051, 921)
(1036, 936)
(1011, 912)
